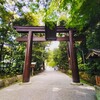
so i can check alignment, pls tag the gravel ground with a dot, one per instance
(48, 85)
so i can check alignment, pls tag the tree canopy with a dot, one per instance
(80, 14)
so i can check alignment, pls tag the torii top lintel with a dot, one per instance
(41, 29)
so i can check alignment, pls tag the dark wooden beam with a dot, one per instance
(39, 29)
(42, 39)
(28, 54)
(73, 58)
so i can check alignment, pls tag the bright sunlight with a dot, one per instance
(53, 45)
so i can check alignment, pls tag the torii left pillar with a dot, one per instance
(28, 56)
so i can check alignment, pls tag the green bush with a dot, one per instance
(93, 67)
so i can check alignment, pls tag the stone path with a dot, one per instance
(49, 85)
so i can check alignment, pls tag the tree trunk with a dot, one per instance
(1, 48)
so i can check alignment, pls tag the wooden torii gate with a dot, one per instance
(41, 29)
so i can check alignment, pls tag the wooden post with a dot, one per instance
(26, 71)
(43, 65)
(73, 59)
(68, 53)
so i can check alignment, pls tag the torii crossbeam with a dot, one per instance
(41, 29)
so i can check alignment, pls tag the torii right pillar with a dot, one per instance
(73, 58)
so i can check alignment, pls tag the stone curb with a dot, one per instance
(9, 81)
(97, 89)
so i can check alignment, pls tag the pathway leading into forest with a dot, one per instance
(48, 85)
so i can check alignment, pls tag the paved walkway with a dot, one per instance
(49, 85)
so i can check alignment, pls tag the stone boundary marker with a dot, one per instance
(9, 81)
